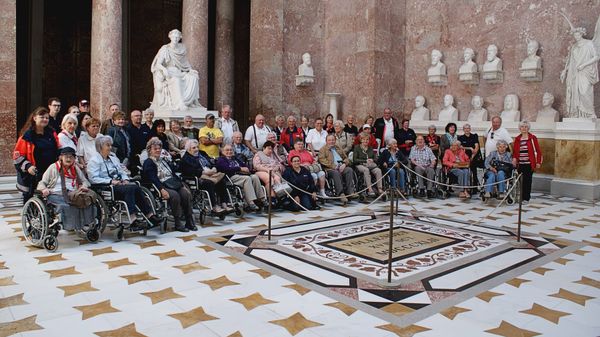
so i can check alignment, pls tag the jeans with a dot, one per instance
(491, 177)
(401, 182)
(462, 175)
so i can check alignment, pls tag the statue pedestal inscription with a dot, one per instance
(438, 80)
(531, 74)
(495, 76)
(469, 78)
(304, 80)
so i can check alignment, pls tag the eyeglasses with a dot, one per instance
(492, 135)
(56, 105)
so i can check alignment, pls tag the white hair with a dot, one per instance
(102, 140)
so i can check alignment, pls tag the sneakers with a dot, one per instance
(343, 198)
(487, 195)
(218, 209)
(154, 220)
(323, 194)
(525, 202)
(501, 195)
(371, 194)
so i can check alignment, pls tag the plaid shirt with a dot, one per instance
(422, 157)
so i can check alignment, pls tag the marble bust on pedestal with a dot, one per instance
(511, 111)
(449, 112)
(531, 67)
(305, 75)
(492, 68)
(436, 74)
(467, 72)
(420, 113)
(547, 114)
(479, 113)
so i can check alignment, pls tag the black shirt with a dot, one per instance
(45, 151)
(53, 122)
(469, 142)
(351, 129)
(138, 137)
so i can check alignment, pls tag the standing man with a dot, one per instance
(386, 127)
(256, 134)
(210, 137)
(350, 128)
(54, 109)
(227, 124)
(138, 136)
(188, 128)
(279, 126)
(84, 106)
(494, 134)
(107, 121)
(406, 137)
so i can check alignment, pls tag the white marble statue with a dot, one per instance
(533, 61)
(547, 114)
(479, 113)
(420, 113)
(176, 84)
(469, 66)
(448, 112)
(437, 72)
(305, 69)
(511, 111)
(493, 62)
(581, 73)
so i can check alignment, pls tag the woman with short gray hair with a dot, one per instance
(527, 157)
(498, 167)
(342, 138)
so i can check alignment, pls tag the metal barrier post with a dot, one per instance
(269, 206)
(520, 196)
(391, 235)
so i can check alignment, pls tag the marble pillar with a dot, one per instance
(105, 69)
(224, 54)
(194, 26)
(8, 84)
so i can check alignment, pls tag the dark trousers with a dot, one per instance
(209, 187)
(526, 182)
(132, 195)
(180, 202)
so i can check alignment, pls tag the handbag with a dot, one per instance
(503, 166)
(78, 198)
(281, 188)
(215, 178)
(173, 182)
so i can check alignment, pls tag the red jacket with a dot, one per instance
(450, 158)
(23, 153)
(288, 137)
(533, 149)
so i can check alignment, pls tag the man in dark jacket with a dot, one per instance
(386, 127)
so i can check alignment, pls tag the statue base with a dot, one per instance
(495, 76)
(531, 74)
(438, 80)
(304, 80)
(469, 78)
(198, 114)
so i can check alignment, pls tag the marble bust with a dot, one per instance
(468, 70)
(448, 112)
(547, 114)
(176, 84)
(420, 113)
(479, 113)
(492, 68)
(437, 72)
(305, 75)
(511, 111)
(531, 67)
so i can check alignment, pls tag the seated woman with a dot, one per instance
(433, 141)
(239, 173)
(279, 152)
(176, 137)
(456, 162)
(498, 165)
(240, 150)
(364, 161)
(191, 166)
(158, 171)
(121, 144)
(104, 168)
(61, 178)
(265, 161)
(448, 138)
(389, 160)
(86, 147)
(308, 161)
(67, 136)
(300, 177)
(158, 131)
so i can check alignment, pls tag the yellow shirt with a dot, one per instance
(210, 133)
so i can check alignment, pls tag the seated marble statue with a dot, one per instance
(511, 111)
(449, 112)
(479, 113)
(420, 113)
(532, 61)
(547, 114)
(305, 69)
(176, 84)
(437, 67)
(493, 62)
(468, 67)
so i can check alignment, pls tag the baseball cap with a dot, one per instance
(366, 126)
(84, 102)
(67, 150)
(209, 116)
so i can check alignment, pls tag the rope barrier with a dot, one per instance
(456, 186)
(501, 202)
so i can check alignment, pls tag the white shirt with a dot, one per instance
(66, 140)
(86, 147)
(491, 141)
(261, 135)
(316, 139)
(389, 130)
(227, 128)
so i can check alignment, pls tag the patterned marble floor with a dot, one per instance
(180, 284)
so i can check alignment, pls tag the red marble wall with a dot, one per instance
(8, 84)
(452, 26)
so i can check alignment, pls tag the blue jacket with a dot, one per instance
(99, 171)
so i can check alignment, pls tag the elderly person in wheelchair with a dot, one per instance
(265, 161)
(390, 160)
(364, 160)
(498, 165)
(105, 170)
(456, 163)
(159, 172)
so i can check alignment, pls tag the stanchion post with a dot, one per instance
(391, 235)
(269, 206)
(520, 196)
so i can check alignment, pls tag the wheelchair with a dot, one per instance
(412, 181)
(236, 197)
(447, 178)
(41, 222)
(117, 213)
(513, 195)
(201, 199)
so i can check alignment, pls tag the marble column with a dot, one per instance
(8, 84)
(194, 27)
(106, 63)
(224, 54)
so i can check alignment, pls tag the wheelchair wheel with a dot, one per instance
(202, 217)
(239, 210)
(120, 235)
(101, 215)
(150, 198)
(34, 221)
(92, 235)
(510, 200)
(50, 243)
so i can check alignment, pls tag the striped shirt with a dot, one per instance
(523, 152)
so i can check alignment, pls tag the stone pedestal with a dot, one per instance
(438, 80)
(495, 76)
(198, 115)
(333, 104)
(105, 70)
(304, 80)
(194, 24)
(469, 78)
(531, 74)
(224, 54)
